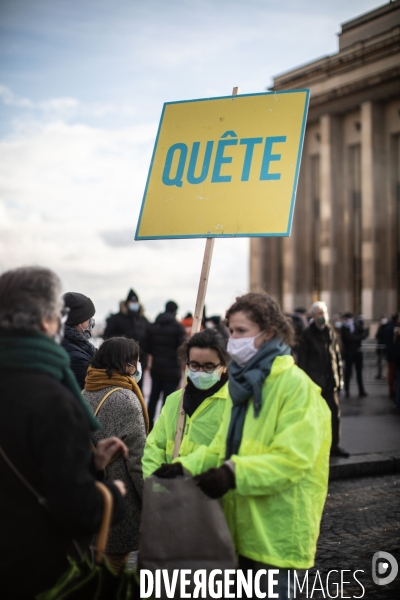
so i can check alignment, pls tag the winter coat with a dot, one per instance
(162, 341)
(381, 334)
(200, 428)
(129, 324)
(122, 416)
(396, 349)
(80, 353)
(389, 340)
(46, 435)
(352, 340)
(319, 356)
(281, 470)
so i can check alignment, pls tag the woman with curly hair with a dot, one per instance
(270, 457)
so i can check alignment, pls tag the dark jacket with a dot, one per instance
(381, 334)
(389, 340)
(162, 342)
(80, 353)
(128, 324)
(319, 356)
(396, 350)
(352, 339)
(45, 434)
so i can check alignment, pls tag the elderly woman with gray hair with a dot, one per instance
(319, 356)
(45, 427)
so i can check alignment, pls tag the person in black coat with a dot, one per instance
(45, 432)
(389, 345)
(78, 330)
(353, 334)
(131, 323)
(380, 344)
(319, 356)
(162, 342)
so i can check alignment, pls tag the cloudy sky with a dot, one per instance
(82, 85)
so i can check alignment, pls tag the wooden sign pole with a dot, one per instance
(205, 270)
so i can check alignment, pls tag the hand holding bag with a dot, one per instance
(181, 528)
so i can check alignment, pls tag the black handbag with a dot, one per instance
(182, 528)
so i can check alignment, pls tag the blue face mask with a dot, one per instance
(134, 306)
(203, 380)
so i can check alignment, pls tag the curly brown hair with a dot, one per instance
(265, 311)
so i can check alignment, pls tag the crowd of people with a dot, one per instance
(255, 422)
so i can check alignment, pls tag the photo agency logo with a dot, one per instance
(384, 568)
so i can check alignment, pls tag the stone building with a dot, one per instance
(345, 242)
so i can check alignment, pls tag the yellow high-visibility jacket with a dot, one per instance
(200, 429)
(281, 470)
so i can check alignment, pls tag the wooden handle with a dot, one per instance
(201, 294)
(105, 521)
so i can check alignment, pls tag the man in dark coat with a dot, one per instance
(353, 333)
(389, 344)
(78, 330)
(131, 323)
(380, 344)
(319, 356)
(45, 429)
(162, 342)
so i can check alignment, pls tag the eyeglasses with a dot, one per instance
(64, 312)
(207, 367)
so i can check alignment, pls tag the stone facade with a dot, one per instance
(345, 241)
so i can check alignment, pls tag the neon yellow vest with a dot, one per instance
(281, 470)
(200, 429)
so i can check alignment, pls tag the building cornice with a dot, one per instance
(362, 53)
(368, 70)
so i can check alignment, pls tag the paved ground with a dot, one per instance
(361, 517)
(370, 424)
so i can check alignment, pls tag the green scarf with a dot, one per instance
(38, 352)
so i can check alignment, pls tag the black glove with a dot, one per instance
(216, 482)
(169, 471)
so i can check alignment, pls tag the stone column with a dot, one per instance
(272, 267)
(287, 273)
(255, 266)
(374, 209)
(326, 193)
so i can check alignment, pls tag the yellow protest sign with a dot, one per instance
(225, 167)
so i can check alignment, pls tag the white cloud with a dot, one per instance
(59, 105)
(63, 108)
(70, 197)
(10, 99)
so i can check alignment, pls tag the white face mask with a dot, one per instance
(88, 331)
(138, 375)
(203, 380)
(134, 306)
(242, 349)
